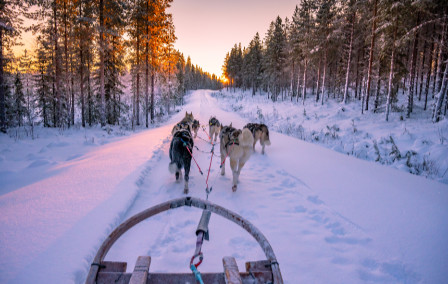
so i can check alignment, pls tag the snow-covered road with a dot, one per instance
(330, 218)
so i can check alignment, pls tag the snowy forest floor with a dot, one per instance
(329, 217)
(415, 144)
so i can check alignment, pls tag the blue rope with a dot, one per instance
(197, 274)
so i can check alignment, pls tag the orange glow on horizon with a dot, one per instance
(224, 79)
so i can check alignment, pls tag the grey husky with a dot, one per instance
(214, 128)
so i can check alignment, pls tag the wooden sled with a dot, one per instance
(263, 271)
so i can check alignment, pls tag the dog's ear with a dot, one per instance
(230, 125)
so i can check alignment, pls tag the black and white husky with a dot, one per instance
(260, 132)
(180, 156)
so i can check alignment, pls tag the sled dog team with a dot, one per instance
(235, 144)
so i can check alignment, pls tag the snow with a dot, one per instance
(421, 144)
(330, 217)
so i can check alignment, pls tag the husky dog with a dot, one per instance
(195, 127)
(187, 120)
(180, 126)
(237, 145)
(260, 132)
(180, 156)
(214, 128)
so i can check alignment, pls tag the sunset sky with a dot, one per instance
(208, 29)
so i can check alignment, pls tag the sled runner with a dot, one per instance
(263, 271)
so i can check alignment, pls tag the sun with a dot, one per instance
(224, 79)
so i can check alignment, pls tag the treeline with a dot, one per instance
(94, 61)
(346, 50)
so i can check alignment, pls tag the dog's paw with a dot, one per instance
(234, 188)
(185, 190)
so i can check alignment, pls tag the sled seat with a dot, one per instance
(115, 272)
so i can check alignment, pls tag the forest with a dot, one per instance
(346, 50)
(107, 62)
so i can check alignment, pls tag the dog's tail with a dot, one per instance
(173, 168)
(267, 141)
(246, 138)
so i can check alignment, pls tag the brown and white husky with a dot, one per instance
(260, 132)
(237, 145)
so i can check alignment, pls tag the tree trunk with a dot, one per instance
(440, 97)
(304, 82)
(318, 80)
(378, 88)
(372, 46)
(147, 66)
(58, 105)
(291, 87)
(391, 74)
(81, 69)
(152, 93)
(357, 72)
(344, 100)
(298, 83)
(102, 96)
(137, 98)
(422, 70)
(440, 60)
(323, 78)
(436, 64)
(2, 89)
(428, 74)
(66, 62)
(405, 77)
(363, 93)
(89, 90)
(410, 100)
(72, 88)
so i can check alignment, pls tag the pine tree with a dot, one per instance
(19, 108)
(254, 63)
(11, 25)
(275, 55)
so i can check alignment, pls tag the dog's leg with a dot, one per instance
(186, 187)
(262, 146)
(187, 176)
(177, 176)
(233, 165)
(223, 164)
(179, 166)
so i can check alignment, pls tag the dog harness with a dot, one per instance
(229, 132)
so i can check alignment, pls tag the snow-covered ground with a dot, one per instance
(414, 144)
(330, 218)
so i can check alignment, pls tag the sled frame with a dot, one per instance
(264, 269)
